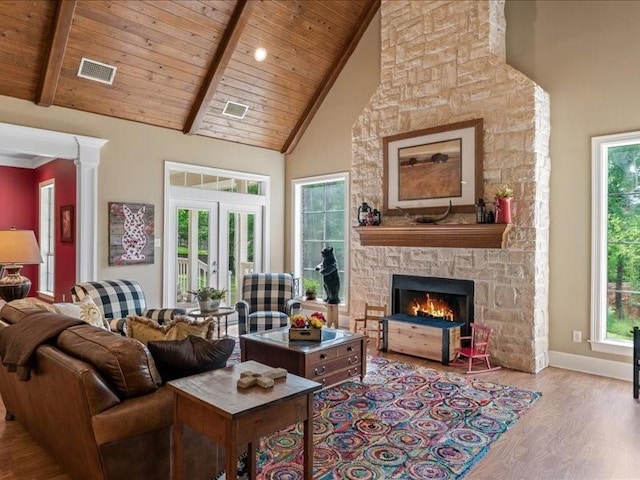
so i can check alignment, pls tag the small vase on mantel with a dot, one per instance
(503, 209)
(504, 197)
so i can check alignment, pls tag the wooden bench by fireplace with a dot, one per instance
(422, 337)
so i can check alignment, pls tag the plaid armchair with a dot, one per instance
(117, 299)
(267, 302)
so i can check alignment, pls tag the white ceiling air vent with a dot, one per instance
(97, 71)
(235, 110)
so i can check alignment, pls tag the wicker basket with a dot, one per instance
(307, 334)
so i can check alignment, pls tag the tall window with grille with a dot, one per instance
(616, 241)
(47, 238)
(320, 219)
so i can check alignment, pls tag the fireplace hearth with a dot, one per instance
(433, 298)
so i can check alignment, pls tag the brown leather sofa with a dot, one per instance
(86, 423)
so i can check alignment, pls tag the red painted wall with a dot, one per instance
(19, 198)
(19, 208)
(64, 173)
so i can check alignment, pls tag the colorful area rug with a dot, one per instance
(403, 422)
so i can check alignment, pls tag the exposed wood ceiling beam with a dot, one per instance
(55, 54)
(329, 80)
(224, 52)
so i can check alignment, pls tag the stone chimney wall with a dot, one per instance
(444, 62)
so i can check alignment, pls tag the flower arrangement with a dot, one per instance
(315, 320)
(504, 191)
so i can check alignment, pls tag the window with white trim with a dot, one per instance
(615, 295)
(320, 218)
(46, 284)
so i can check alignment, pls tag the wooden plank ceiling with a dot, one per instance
(179, 61)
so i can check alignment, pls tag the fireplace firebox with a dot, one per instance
(433, 298)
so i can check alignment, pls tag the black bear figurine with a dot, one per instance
(331, 279)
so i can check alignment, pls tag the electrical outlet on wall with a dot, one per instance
(577, 336)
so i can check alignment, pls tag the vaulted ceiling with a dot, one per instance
(178, 62)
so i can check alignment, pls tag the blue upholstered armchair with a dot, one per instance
(267, 302)
(117, 299)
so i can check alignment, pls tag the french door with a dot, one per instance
(240, 245)
(212, 244)
(214, 230)
(196, 253)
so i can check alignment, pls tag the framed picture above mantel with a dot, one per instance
(426, 169)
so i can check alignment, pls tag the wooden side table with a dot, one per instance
(213, 405)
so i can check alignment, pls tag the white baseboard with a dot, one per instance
(595, 366)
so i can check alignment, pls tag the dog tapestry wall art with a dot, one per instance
(330, 276)
(131, 233)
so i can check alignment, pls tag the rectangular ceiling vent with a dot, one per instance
(96, 71)
(235, 110)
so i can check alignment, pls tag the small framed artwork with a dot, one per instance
(67, 222)
(131, 233)
(424, 170)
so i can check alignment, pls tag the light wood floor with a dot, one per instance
(584, 427)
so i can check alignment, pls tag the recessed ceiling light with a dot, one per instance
(260, 54)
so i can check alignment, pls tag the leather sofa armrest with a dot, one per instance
(134, 416)
(55, 366)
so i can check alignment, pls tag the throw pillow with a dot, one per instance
(86, 310)
(145, 330)
(181, 358)
(124, 363)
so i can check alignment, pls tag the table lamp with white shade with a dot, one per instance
(17, 248)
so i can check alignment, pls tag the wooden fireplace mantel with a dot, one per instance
(452, 235)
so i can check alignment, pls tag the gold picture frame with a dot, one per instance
(426, 169)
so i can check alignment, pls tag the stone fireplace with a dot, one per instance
(444, 62)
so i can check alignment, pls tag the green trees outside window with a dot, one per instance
(623, 241)
(323, 218)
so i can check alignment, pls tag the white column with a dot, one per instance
(87, 163)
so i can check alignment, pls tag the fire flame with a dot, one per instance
(433, 307)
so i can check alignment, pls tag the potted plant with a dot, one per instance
(503, 198)
(208, 298)
(310, 288)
